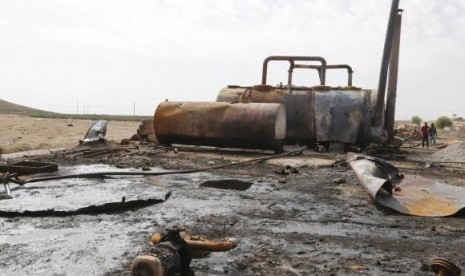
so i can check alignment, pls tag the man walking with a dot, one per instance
(432, 133)
(424, 135)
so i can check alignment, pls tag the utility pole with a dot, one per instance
(77, 107)
(134, 108)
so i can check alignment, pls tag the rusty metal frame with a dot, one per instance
(291, 60)
(328, 66)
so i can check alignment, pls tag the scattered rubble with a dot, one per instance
(339, 181)
(146, 131)
(29, 167)
(303, 224)
(407, 132)
(288, 170)
(453, 152)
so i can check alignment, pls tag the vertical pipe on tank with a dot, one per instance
(350, 73)
(393, 74)
(290, 72)
(379, 108)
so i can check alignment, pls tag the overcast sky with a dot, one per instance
(109, 54)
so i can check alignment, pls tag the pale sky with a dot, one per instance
(109, 54)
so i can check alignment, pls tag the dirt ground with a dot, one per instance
(301, 224)
(23, 133)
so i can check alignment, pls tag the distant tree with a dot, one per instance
(454, 116)
(416, 120)
(459, 119)
(443, 122)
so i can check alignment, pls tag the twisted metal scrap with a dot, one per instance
(409, 194)
(5, 178)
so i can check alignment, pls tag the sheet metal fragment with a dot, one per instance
(407, 194)
(96, 132)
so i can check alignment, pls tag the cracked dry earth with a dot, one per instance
(303, 224)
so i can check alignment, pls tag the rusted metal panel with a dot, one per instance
(231, 94)
(342, 116)
(298, 103)
(252, 125)
(409, 194)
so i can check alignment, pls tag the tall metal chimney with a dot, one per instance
(379, 108)
(393, 74)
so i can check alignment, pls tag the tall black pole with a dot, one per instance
(379, 108)
(392, 80)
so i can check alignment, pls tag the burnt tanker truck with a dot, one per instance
(264, 116)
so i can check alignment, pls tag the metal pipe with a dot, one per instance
(329, 66)
(290, 72)
(292, 59)
(392, 81)
(379, 108)
(201, 244)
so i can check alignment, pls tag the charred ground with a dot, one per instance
(319, 221)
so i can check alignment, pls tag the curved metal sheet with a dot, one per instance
(409, 194)
(96, 132)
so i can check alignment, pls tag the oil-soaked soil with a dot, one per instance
(302, 224)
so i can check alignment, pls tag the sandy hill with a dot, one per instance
(11, 108)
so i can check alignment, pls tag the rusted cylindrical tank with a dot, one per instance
(298, 104)
(315, 114)
(238, 125)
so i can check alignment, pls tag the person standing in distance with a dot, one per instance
(432, 134)
(424, 135)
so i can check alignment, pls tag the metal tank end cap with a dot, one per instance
(442, 267)
(146, 265)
